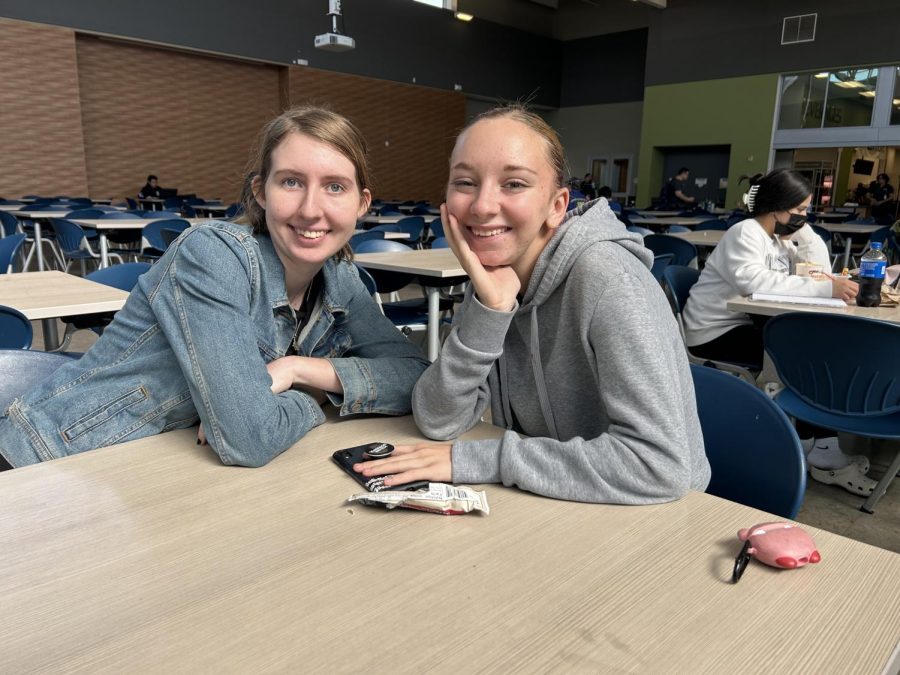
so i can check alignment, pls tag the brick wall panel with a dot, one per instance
(418, 124)
(42, 143)
(190, 119)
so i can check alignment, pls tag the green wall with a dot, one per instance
(736, 111)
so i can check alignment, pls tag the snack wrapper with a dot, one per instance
(447, 500)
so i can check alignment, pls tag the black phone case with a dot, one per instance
(347, 457)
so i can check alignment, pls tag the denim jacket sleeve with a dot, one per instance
(204, 306)
(381, 366)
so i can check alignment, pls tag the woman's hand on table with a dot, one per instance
(495, 287)
(844, 289)
(408, 463)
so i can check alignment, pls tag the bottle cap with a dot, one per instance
(876, 245)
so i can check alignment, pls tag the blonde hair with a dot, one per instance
(519, 113)
(319, 123)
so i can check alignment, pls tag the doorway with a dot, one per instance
(708, 180)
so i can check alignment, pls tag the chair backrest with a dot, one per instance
(379, 246)
(123, 276)
(85, 213)
(9, 223)
(22, 369)
(752, 447)
(711, 224)
(660, 263)
(637, 229)
(390, 210)
(15, 330)
(840, 364)
(357, 239)
(131, 203)
(152, 233)
(680, 279)
(879, 236)
(233, 210)
(173, 202)
(387, 227)
(169, 235)
(69, 235)
(436, 228)
(387, 282)
(421, 210)
(678, 228)
(414, 226)
(440, 242)
(119, 215)
(187, 210)
(683, 252)
(367, 280)
(9, 247)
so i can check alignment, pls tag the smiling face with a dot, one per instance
(311, 201)
(504, 193)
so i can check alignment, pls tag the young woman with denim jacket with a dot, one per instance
(243, 326)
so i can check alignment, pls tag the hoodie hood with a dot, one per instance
(585, 226)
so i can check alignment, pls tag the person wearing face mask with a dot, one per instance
(759, 254)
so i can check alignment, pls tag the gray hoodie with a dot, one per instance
(607, 411)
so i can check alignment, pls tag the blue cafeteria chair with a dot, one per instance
(753, 449)
(15, 330)
(840, 372)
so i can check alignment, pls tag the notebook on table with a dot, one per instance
(799, 300)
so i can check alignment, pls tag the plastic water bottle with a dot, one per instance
(871, 276)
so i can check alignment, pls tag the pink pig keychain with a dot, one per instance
(783, 545)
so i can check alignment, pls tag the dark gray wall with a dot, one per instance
(395, 39)
(710, 39)
(604, 69)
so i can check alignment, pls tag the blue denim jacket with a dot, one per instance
(193, 341)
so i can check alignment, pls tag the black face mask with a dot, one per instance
(794, 223)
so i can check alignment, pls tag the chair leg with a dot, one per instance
(882, 486)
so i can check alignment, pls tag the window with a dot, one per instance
(895, 103)
(842, 98)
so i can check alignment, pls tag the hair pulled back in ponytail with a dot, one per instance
(778, 190)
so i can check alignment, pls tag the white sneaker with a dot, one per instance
(826, 453)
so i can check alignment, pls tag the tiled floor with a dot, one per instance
(826, 506)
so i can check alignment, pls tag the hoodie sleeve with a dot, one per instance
(811, 248)
(452, 395)
(646, 454)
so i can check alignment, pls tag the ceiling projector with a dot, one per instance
(334, 41)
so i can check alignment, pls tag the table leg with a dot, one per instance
(434, 321)
(51, 336)
(38, 243)
(104, 250)
(847, 245)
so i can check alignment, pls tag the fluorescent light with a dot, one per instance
(462, 16)
(868, 93)
(821, 76)
(850, 84)
(897, 101)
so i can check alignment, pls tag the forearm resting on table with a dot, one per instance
(304, 372)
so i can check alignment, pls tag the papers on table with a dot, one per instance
(799, 300)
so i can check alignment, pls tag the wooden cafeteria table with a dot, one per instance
(153, 556)
(438, 263)
(666, 222)
(49, 295)
(767, 308)
(103, 224)
(708, 238)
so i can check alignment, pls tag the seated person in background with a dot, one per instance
(563, 332)
(673, 195)
(587, 187)
(881, 201)
(605, 191)
(243, 326)
(759, 254)
(151, 188)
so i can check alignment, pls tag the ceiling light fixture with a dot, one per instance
(464, 16)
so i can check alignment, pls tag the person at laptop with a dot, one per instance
(759, 254)
(151, 188)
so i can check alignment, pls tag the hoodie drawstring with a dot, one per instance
(538, 370)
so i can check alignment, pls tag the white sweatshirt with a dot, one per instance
(747, 260)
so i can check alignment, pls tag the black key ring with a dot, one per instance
(740, 563)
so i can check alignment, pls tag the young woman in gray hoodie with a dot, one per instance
(563, 331)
